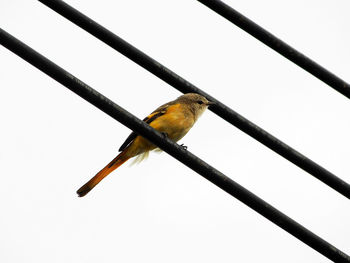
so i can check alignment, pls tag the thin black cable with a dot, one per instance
(278, 45)
(178, 152)
(184, 86)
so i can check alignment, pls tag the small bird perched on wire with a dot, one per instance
(174, 119)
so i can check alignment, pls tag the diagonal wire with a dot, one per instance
(187, 158)
(184, 86)
(278, 45)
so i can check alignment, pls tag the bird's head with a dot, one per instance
(197, 103)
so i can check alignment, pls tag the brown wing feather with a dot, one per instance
(154, 115)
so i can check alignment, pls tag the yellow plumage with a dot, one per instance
(174, 119)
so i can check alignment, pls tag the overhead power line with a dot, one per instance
(278, 45)
(187, 158)
(184, 86)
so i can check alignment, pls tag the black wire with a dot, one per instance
(178, 152)
(184, 86)
(278, 45)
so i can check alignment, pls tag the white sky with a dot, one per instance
(52, 141)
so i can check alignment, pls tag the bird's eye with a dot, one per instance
(200, 102)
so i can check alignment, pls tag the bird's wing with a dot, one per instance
(154, 115)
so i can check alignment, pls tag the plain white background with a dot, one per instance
(52, 141)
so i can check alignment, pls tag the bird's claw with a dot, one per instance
(184, 147)
(165, 134)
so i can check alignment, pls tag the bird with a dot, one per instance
(173, 119)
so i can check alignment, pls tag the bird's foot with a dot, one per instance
(184, 147)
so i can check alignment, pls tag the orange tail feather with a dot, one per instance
(114, 164)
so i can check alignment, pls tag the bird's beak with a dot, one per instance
(210, 103)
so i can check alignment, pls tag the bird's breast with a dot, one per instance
(176, 122)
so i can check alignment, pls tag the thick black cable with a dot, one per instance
(178, 152)
(184, 86)
(278, 45)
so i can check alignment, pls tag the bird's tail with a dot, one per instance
(114, 164)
